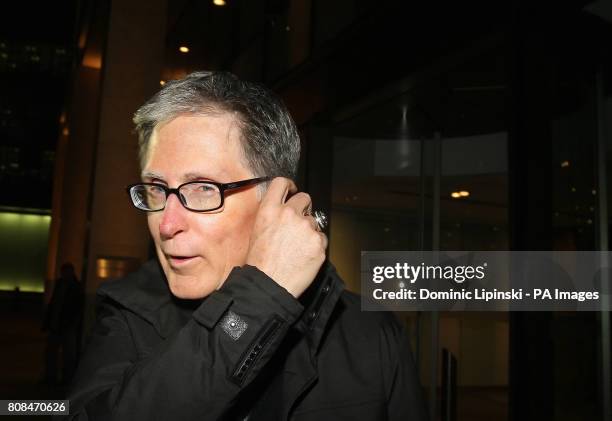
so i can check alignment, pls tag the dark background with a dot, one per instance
(399, 104)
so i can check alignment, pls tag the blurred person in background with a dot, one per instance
(63, 322)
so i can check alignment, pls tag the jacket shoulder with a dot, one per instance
(365, 322)
(144, 289)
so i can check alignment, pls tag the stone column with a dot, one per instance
(131, 67)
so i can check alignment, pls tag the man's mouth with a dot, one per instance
(176, 260)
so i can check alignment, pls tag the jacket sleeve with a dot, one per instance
(403, 390)
(195, 374)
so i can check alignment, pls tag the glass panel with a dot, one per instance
(576, 340)
(445, 135)
(469, 102)
(376, 192)
(374, 199)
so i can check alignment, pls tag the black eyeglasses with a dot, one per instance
(197, 196)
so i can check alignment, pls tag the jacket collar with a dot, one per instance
(319, 302)
(146, 293)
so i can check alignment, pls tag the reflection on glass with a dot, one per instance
(386, 166)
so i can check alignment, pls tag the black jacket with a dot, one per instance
(248, 351)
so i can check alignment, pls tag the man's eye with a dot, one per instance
(207, 190)
(156, 190)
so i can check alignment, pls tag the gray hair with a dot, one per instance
(270, 140)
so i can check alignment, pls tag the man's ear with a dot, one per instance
(261, 191)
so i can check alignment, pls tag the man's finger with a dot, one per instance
(278, 190)
(301, 202)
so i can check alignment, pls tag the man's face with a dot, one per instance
(198, 250)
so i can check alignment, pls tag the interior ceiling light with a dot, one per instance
(564, 164)
(184, 49)
(162, 82)
(460, 194)
(219, 2)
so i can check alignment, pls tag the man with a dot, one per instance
(241, 317)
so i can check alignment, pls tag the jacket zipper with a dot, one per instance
(254, 351)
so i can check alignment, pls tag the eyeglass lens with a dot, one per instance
(195, 196)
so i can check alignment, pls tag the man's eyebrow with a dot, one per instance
(151, 175)
(197, 176)
(190, 176)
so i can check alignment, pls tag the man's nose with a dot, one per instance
(173, 219)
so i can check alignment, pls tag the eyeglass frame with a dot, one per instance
(223, 187)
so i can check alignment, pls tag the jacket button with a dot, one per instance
(325, 289)
(312, 315)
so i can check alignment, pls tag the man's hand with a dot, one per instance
(285, 243)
